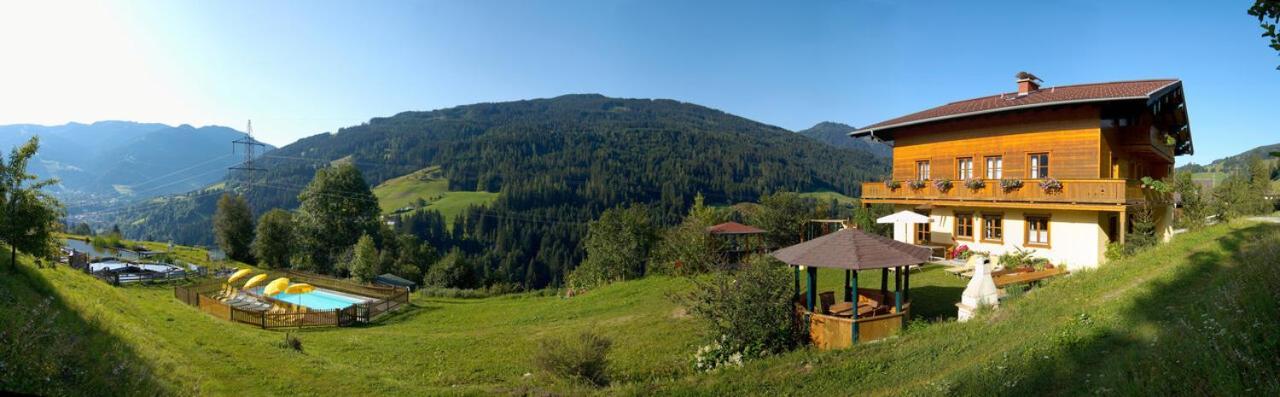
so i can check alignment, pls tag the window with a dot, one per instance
(995, 167)
(1037, 231)
(964, 226)
(993, 228)
(922, 170)
(964, 168)
(1039, 165)
(923, 230)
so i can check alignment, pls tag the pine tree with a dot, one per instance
(274, 241)
(365, 263)
(233, 227)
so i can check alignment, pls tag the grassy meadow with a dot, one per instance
(428, 184)
(1192, 317)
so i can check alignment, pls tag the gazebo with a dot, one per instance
(874, 314)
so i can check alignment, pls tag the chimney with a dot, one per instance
(1027, 83)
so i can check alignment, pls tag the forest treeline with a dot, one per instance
(556, 163)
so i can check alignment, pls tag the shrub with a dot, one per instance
(291, 342)
(748, 312)
(1020, 258)
(1116, 251)
(582, 358)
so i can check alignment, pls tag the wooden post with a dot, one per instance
(906, 285)
(1124, 224)
(853, 331)
(897, 297)
(813, 286)
(897, 279)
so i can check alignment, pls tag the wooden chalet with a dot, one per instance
(1057, 170)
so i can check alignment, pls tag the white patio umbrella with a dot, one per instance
(903, 218)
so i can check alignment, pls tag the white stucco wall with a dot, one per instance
(1076, 238)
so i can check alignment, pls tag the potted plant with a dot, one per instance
(1050, 185)
(1010, 184)
(916, 184)
(942, 185)
(892, 184)
(974, 183)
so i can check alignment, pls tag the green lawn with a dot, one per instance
(427, 184)
(1196, 316)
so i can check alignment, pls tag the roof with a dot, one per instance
(391, 279)
(853, 249)
(1148, 90)
(734, 228)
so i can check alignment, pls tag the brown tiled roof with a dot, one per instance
(853, 249)
(1120, 90)
(733, 228)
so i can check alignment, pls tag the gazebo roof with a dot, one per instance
(853, 249)
(734, 228)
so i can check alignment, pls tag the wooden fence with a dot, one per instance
(385, 300)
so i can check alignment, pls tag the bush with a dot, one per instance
(579, 358)
(749, 312)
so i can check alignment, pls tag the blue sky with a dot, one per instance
(299, 68)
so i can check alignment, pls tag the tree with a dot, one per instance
(233, 227)
(1195, 208)
(617, 246)
(28, 215)
(365, 263)
(1259, 174)
(1268, 13)
(784, 216)
(274, 241)
(82, 229)
(452, 271)
(337, 207)
(688, 248)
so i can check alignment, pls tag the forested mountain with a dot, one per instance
(112, 161)
(556, 163)
(1236, 162)
(837, 134)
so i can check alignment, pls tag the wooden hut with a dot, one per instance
(739, 241)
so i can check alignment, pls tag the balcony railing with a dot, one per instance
(1078, 191)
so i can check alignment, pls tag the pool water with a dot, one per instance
(318, 299)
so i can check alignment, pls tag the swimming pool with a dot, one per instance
(320, 299)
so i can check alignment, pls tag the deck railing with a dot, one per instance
(1077, 191)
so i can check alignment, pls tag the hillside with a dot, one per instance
(837, 134)
(1192, 317)
(1234, 162)
(111, 162)
(405, 193)
(554, 164)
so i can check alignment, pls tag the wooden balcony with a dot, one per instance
(1110, 194)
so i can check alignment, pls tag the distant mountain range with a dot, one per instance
(837, 134)
(115, 161)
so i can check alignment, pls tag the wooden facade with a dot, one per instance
(1097, 145)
